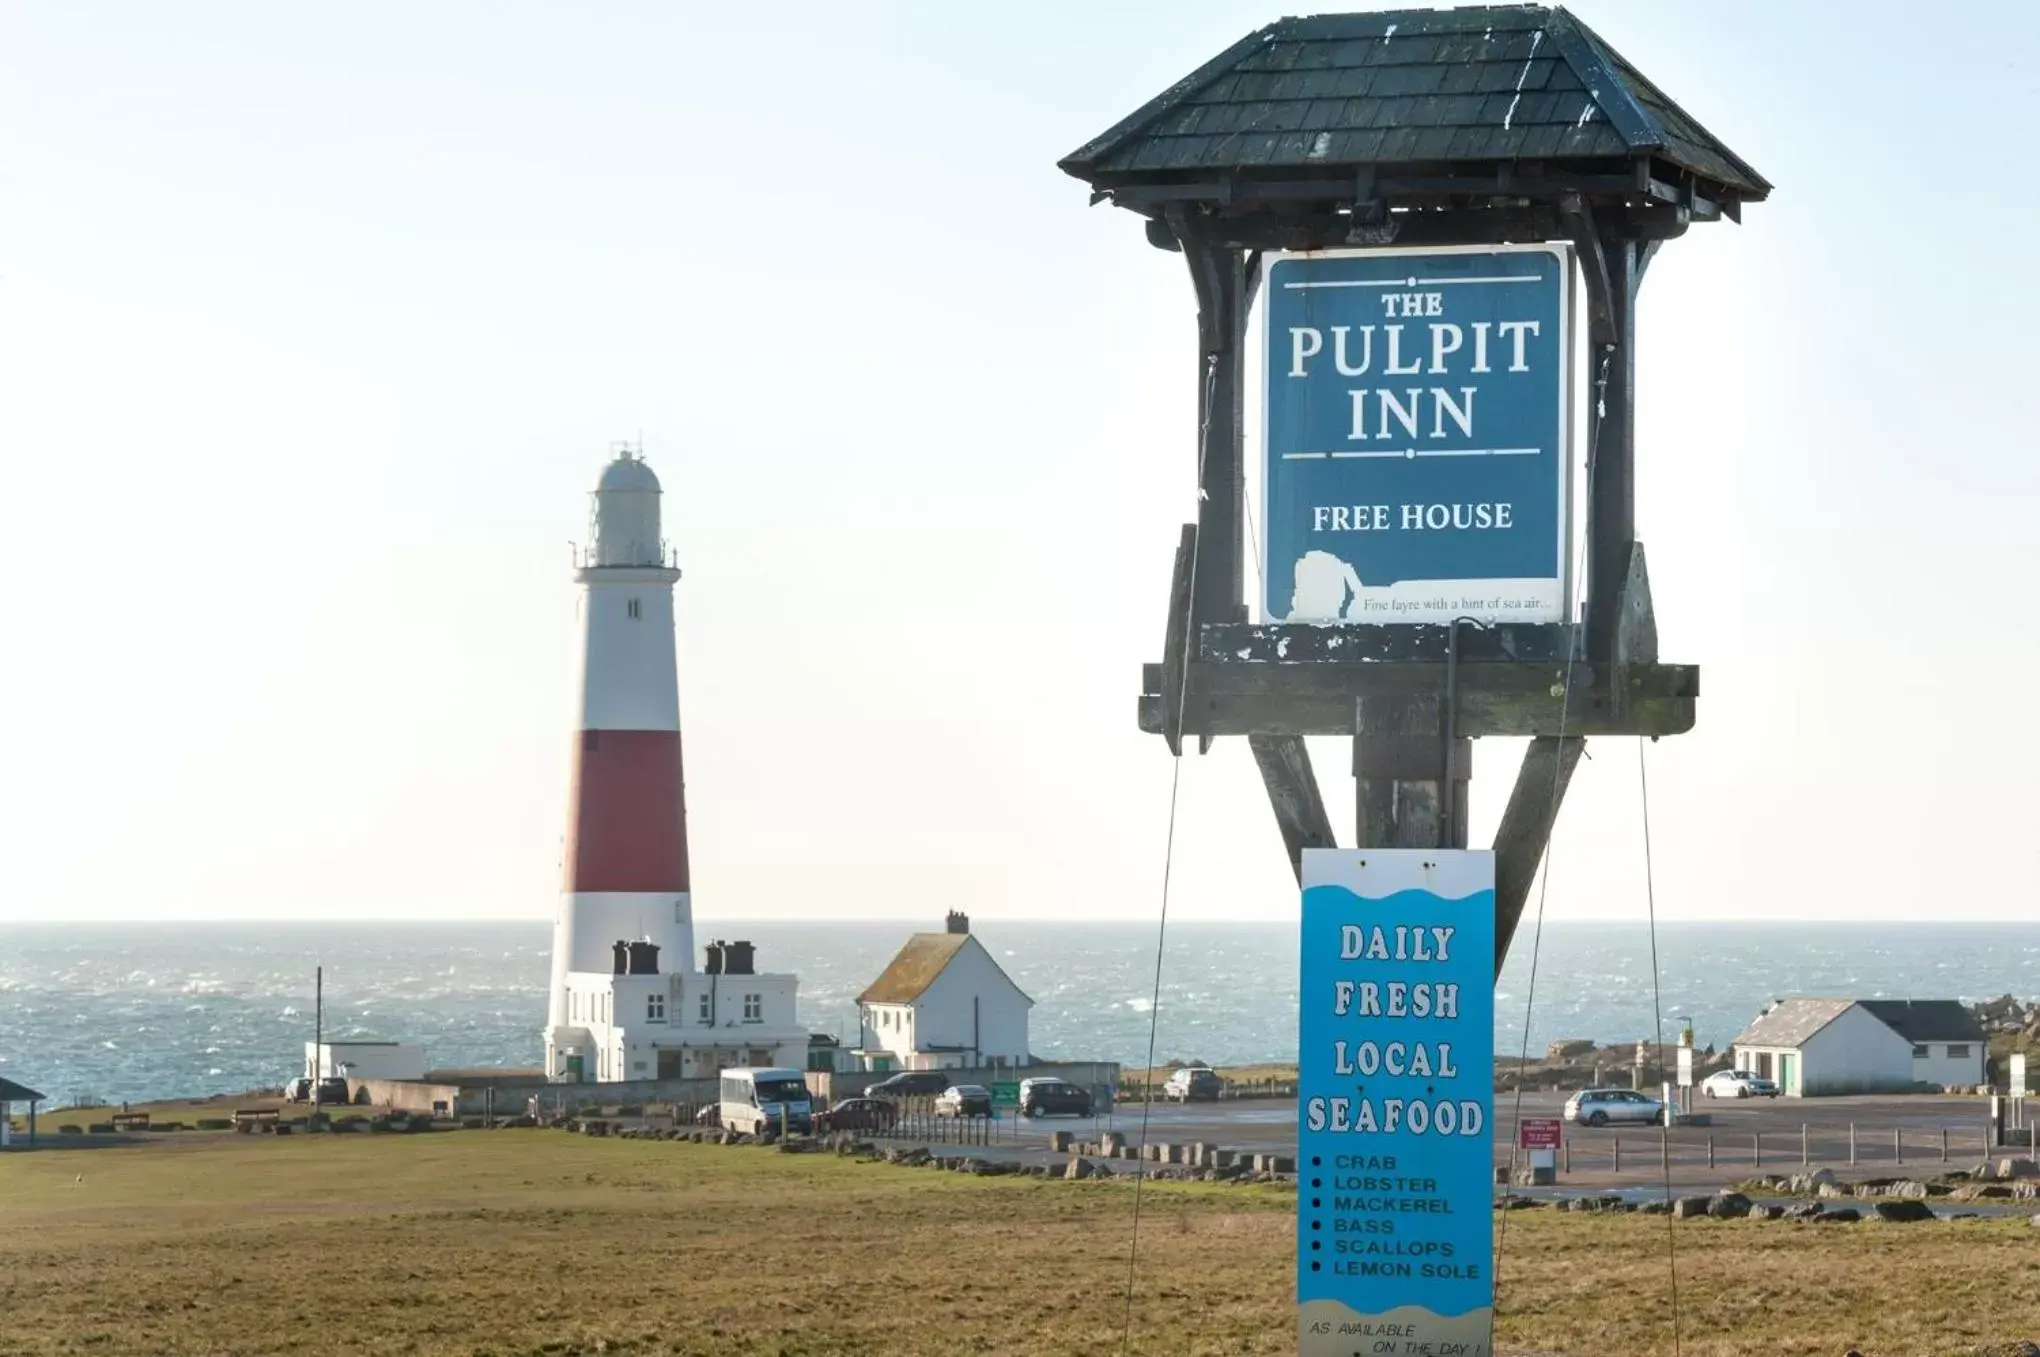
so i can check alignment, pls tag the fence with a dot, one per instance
(1814, 1145)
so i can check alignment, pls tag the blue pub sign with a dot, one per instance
(1395, 1102)
(1417, 455)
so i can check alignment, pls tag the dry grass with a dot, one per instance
(539, 1243)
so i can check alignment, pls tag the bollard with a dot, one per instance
(1897, 1146)
(1852, 1144)
(1804, 1161)
(1757, 1150)
(1618, 1154)
(1566, 1149)
(1664, 1152)
(1944, 1144)
(1710, 1149)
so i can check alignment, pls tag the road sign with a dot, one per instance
(2017, 1074)
(1416, 458)
(1685, 1067)
(1005, 1094)
(1538, 1133)
(1395, 1099)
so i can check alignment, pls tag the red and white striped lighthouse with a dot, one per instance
(625, 861)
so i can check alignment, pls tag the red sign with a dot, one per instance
(1538, 1133)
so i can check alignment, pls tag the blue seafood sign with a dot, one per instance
(1417, 463)
(1395, 1100)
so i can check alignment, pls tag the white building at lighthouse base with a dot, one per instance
(637, 1022)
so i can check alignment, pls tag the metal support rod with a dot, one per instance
(1757, 1150)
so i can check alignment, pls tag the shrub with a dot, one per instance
(70, 1128)
(100, 1128)
(215, 1124)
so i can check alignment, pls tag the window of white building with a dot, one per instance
(1958, 1053)
(707, 1012)
(655, 1008)
(754, 1008)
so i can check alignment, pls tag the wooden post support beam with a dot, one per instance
(1221, 279)
(1525, 830)
(1293, 794)
(1401, 764)
(1176, 640)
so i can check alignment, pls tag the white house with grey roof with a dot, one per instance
(943, 1003)
(1828, 1046)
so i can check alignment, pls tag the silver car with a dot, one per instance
(1605, 1106)
(1737, 1084)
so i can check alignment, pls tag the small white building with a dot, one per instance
(1830, 1046)
(943, 1003)
(637, 1022)
(364, 1060)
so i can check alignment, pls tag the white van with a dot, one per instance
(755, 1099)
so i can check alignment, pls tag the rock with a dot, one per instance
(2017, 1168)
(2034, 1222)
(1518, 1203)
(1281, 1163)
(1110, 1143)
(1908, 1190)
(1838, 1215)
(1768, 1212)
(1568, 1048)
(1904, 1211)
(1729, 1206)
(1802, 1211)
(1080, 1168)
(1059, 1141)
(1831, 1191)
(1687, 1208)
(1657, 1208)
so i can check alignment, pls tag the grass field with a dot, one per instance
(535, 1242)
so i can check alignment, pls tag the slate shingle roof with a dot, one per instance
(1792, 1021)
(1407, 87)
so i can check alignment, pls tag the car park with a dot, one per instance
(1606, 1106)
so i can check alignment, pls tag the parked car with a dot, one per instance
(331, 1092)
(298, 1091)
(859, 1114)
(1195, 1084)
(1602, 1106)
(910, 1084)
(1737, 1084)
(1053, 1097)
(964, 1100)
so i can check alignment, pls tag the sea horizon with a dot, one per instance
(138, 1010)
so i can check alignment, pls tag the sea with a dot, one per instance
(103, 1012)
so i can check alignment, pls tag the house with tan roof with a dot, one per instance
(943, 1003)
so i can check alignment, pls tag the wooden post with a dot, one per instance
(1611, 467)
(1400, 762)
(1852, 1144)
(1944, 1144)
(1897, 1146)
(1757, 1150)
(1219, 275)
(1618, 1154)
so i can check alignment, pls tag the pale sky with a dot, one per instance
(316, 326)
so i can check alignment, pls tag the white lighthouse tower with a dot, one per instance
(627, 1002)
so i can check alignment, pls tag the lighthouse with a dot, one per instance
(627, 1002)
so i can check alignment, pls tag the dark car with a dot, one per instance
(331, 1092)
(1193, 1085)
(859, 1114)
(910, 1084)
(1053, 1097)
(964, 1100)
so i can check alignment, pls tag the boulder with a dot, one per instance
(1908, 1190)
(1658, 1208)
(1806, 1184)
(1687, 1208)
(2017, 1168)
(1281, 1163)
(2034, 1222)
(1904, 1211)
(1768, 1212)
(1729, 1206)
(1080, 1168)
(1568, 1049)
(1831, 1191)
(1838, 1216)
(1802, 1211)
(1059, 1141)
